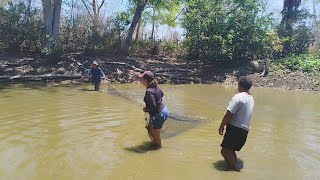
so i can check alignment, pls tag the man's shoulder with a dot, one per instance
(237, 96)
(242, 94)
(242, 97)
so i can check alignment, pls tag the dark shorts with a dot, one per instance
(158, 120)
(234, 138)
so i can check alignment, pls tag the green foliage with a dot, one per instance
(20, 29)
(165, 12)
(305, 62)
(226, 31)
(171, 47)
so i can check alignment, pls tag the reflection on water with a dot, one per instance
(70, 132)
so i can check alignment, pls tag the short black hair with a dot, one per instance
(245, 82)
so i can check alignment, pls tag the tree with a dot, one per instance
(162, 14)
(295, 34)
(289, 13)
(315, 24)
(3, 2)
(227, 32)
(95, 13)
(51, 14)
(139, 7)
(20, 27)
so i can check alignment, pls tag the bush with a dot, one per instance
(226, 31)
(20, 29)
(170, 47)
(305, 62)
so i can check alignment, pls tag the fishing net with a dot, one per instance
(174, 125)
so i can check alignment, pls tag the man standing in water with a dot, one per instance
(96, 75)
(237, 120)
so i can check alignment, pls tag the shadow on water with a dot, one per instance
(46, 86)
(33, 85)
(142, 148)
(86, 89)
(221, 165)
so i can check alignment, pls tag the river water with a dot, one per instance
(57, 131)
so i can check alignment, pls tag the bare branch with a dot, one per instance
(179, 14)
(85, 4)
(101, 5)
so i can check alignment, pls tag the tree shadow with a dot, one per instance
(221, 165)
(142, 148)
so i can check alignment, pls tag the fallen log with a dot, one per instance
(127, 65)
(178, 78)
(158, 72)
(174, 69)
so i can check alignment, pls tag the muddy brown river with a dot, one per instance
(70, 132)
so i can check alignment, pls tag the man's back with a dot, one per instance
(241, 106)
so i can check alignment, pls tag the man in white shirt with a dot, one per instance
(237, 120)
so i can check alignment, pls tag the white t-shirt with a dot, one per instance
(241, 106)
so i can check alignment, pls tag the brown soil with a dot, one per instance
(176, 71)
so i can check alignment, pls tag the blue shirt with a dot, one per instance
(96, 75)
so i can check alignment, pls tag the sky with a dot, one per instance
(274, 6)
(113, 6)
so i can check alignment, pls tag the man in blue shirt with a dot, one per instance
(96, 75)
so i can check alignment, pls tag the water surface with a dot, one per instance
(70, 132)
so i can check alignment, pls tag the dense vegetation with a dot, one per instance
(226, 32)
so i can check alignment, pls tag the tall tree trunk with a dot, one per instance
(138, 30)
(137, 16)
(47, 16)
(56, 19)
(51, 14)
(94, 13)
(153, 25)
(28, 11)
(95, 19)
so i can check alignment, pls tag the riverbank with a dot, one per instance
(120, 69)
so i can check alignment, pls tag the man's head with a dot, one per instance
(244, 83)
(94, 64)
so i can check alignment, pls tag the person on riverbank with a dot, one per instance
(154, 106)
(237, 122)
(97, 75)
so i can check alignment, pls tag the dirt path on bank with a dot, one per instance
(168, 69)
